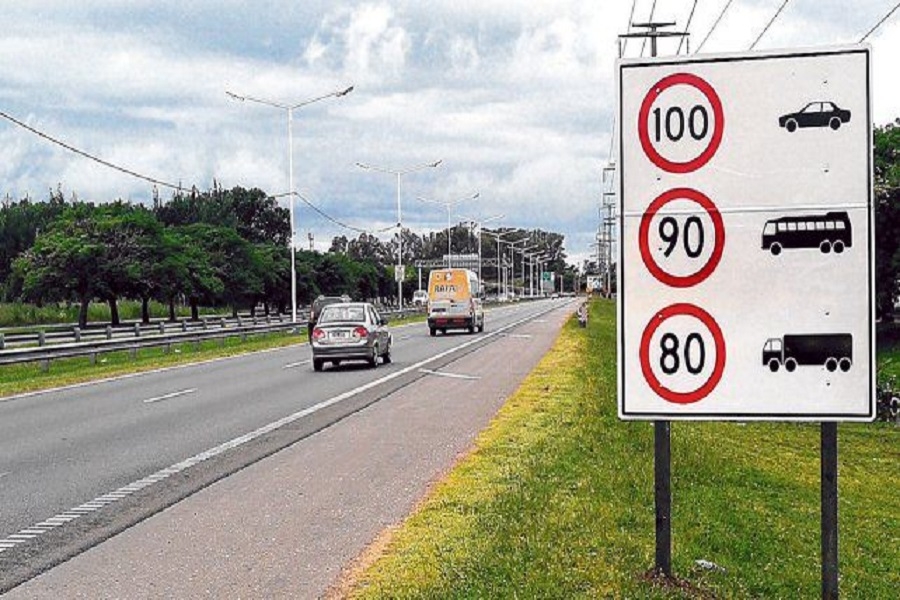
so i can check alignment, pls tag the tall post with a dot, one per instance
(290, 117)
(829, 511)
(399, 274)
(662, 439)
(449, 252)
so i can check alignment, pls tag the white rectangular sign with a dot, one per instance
(747, 246)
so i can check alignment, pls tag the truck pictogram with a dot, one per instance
(832, 350)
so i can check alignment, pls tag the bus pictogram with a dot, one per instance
(831, 231)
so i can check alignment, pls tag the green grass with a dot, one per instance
(556, 501)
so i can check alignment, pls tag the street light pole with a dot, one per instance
(399, 172)
(290, 108)
(477, 223)
(449, 204)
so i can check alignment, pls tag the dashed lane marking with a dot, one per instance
(170, 396)
(450, 375)
(296, 364)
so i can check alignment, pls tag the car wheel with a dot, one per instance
(791, 125)
(471, 329)
(317, 364)
(481, 327)
(834, 123)
(444, 331)
(387, 356)
(373, 359)
(432, 331)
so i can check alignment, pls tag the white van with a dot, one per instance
(454, 301)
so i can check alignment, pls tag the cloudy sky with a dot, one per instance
(515, 96)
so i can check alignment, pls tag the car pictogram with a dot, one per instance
(815, 114)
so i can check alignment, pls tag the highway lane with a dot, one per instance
(62, 449)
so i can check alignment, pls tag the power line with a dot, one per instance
(879, 23)
(96, 159)
(630, 19)
(154, 180)
(650, 20)
(769, 24)
(337, 222)
(713, 28)
(687, 27)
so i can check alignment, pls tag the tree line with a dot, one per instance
(219, 248)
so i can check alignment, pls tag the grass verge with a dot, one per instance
(556, 501)
(29, 377)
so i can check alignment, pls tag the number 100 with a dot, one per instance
(697, 123)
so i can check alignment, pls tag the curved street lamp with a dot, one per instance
(398, 173)
(290, 108)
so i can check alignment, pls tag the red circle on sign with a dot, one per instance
(681, 281)
(644, 116)
(650, 377)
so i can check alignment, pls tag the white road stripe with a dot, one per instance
(450, 375)
(169, 396)
(296, 364)
(520, 336)
(4, 474)
(100, 502)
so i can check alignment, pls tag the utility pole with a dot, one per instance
(662, 447)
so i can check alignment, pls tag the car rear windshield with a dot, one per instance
(335, 313)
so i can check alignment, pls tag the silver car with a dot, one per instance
(350, 331)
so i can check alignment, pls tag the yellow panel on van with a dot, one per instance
(454, 301)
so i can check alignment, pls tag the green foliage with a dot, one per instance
(887, 216)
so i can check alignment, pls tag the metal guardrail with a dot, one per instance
(71, 342)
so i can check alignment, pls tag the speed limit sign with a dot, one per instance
(746, 244)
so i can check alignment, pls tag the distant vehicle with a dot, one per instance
(827, 232)
(420, 298)
(318, 304)
(350, 331)
(833, 350)
(815, 114)
(454, 301)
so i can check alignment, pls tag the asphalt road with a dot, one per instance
(83, 464)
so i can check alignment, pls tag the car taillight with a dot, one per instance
(360, 332)
(318, 334)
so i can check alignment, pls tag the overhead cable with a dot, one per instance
(769, 24)
(879, 23)
(713, 28)
(96, 159)
(628, 29)
(650, 20)
(687, 27)
(154, 180)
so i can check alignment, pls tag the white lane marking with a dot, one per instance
(4, 474)
(450, 375)
(296, 364)
(100, 502)
(170, 396)
(520, 336)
